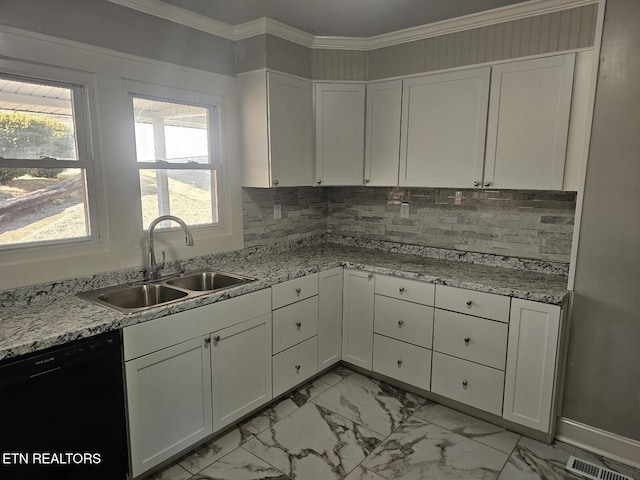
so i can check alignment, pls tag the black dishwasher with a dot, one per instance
(62, 413)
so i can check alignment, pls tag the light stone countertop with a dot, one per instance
(50, 319)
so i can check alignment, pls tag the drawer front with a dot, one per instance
(295, 365)
(472, 338)
(402, 361)
(403, 289)
(479, 304)
(406, 321)
(294, 290)
(294, 323)
(467, 382)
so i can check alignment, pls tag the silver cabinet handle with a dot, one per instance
(298, 324)
(319, 182)
(464, 383)
(399, 363)
(207, 340)
(469, 303)
(476, 184)
(366, 180)
(467, 340)
(275, 182)
(486, 184)
(298, 291)
(297, 368)
(400, 323)
(401, 289)
(370, 276)
(216, 339)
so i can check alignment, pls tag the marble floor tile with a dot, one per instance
(361, 473)
(314, 443)
(336, 375)
(375, 405)
(208, 453)
(468, 426)
(173, 472)
(423, 451)
(533, 460)
(309, 392)
(240, 465)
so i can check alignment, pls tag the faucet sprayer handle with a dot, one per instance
(164, 259)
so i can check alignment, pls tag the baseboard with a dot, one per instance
(607, 444)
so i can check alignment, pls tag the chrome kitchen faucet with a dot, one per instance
(152, 265)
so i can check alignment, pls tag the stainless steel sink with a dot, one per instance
(133, 298)
(207, 281)
(141, 296)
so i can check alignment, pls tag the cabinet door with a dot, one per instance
(339, 133)
(169, 402)
(531, 363)
(357, 326)
(241, 366)
(444, 119)
(290, 130)
(330, 318)
(528, 123)
(382, 147)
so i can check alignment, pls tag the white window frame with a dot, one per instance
(214, 165)
(79, 87)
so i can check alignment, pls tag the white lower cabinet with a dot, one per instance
(532, 364)
(468, 382)
(169, 402)
(357, 317)
(329, 317)
(400, 360)
(241, 369)
(295, 365)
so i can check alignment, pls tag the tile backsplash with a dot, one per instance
(527, 224)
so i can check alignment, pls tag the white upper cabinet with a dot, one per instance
(382, 146)
(444, 118)
(277, 130)
(339, 133)
(528, 123)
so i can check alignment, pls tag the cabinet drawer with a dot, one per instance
(402, 361)
(294, 323)
(468, 382)
(472, 338)
(294, 290)
(403, 289)
(295, 365)
(406, 321)
(480, 304)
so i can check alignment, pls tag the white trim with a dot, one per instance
(575, 241)
(273, 27)
(607, 444)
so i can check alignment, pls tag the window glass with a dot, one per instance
(43, 175)
(176, 150)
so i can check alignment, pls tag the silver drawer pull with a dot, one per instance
(298, 291)
(465, 383)
(370, 276)
(401, 289)
(469, 303)
(207, 340)
(297, 368)
(400, 323)
(216, 339)
(399, 363)
(298, 324)
(467, 340)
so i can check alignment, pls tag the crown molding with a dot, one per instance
(269, 26)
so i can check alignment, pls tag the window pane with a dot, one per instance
(44, 204)
(172, 132)
(188, 194)
(36, 120)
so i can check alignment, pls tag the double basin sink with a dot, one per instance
(134, 298)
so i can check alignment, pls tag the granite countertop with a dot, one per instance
(52, 320)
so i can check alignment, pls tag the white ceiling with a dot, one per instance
(353, 18)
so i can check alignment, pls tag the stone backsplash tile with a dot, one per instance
(528, 224)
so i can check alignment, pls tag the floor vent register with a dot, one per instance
(590, 470)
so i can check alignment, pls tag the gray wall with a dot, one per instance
(105, 24)
(603, 375)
